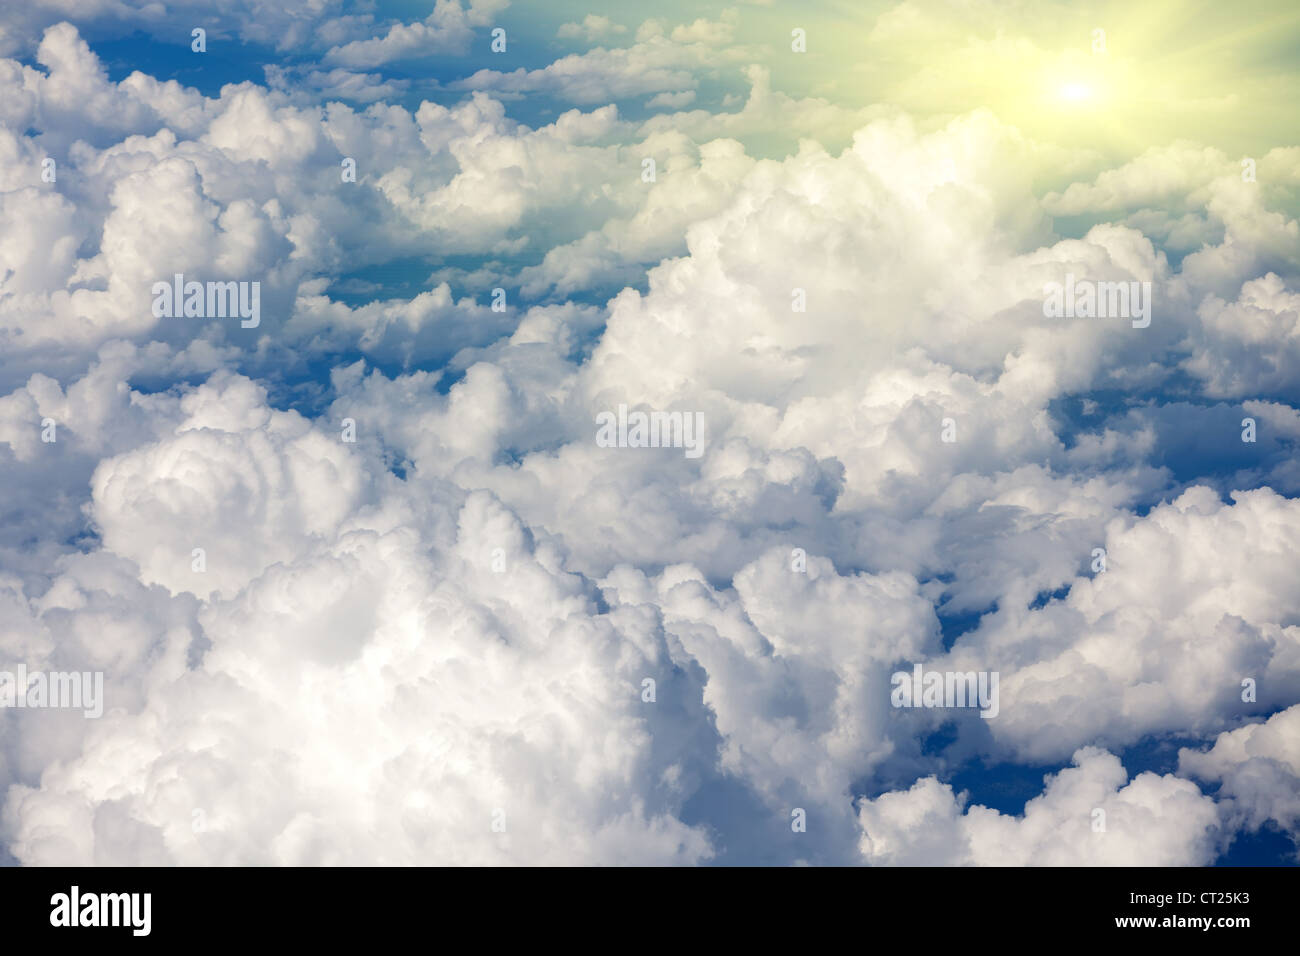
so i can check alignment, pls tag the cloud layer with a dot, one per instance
(365, 588)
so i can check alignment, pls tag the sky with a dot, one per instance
(970, 332)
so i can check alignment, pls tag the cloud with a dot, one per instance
(432, 644)
(230, 462)
(448, 29)
(422, 604)
(655, 63)
(672, 100)
(1257, 768)
(592, 29)
(337, 84)
(1151, 820)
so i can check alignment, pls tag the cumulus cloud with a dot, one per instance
(448, 29)
(1194, 600)
(1257, 769)
(1090, 814)
(421, 604)
(365, 588)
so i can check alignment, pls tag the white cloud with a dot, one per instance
(1195, 598)
(349, 680)
(655, 63)
(1258, 769)
(1151, 820)
(448, 29)
(231, 463)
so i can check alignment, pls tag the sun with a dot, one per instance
(1075, 92)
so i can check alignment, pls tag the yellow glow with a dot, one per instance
(1108, 76)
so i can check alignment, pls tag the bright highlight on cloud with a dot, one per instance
(630, 401)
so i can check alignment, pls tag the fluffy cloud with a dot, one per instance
(1257, 768)
(473, 635)
(448, 29)
(1194, 600)
(232, 465)
(1150, 820)
(418, 623)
